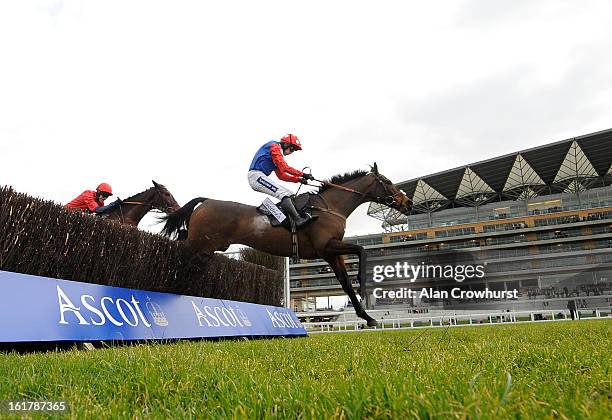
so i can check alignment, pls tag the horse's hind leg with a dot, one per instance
(337, 264)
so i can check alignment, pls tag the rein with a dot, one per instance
(387, 200)
(153, 206)
(340, 187)
(140, 203)
(136, 203)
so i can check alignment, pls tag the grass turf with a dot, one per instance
(536, 370)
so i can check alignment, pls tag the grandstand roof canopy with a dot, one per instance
(571, 165)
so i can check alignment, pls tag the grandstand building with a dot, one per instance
(538, 221)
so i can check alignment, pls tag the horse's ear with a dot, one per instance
(375, 168)
(155, 183)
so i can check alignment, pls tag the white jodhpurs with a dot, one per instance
(263, 183)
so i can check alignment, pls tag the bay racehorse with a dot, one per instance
(215, 225)
(131, 210)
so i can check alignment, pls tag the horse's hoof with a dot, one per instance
(372, 323)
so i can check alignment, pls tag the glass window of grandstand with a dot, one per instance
(597, 230)
(506, 239)
(604, 243)
(520, 224)
(408, 237)
(458, 244)
(597, 197)
(365, 241)
(503, 210)
(418, 221)
(501, 213)
(551, 221)
(453, 217)
(599, 215)
(507, 253)
(543, 207)
(455, 232)
(559, 234)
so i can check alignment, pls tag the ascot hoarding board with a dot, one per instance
(36, 308)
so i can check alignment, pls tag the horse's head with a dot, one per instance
(163, 200)
(384, 192)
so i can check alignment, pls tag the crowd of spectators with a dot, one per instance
(598, 289)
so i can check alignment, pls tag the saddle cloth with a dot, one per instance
(301, 203)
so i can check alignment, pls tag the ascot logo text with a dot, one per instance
(218, 316)
(97, 313)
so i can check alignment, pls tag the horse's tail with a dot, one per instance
(180, 218)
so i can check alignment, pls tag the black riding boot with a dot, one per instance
(289, 208)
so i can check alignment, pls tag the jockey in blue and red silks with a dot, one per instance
(270, 158)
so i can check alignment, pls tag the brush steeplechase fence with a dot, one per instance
(59, 265)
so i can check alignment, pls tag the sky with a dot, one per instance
(185, 92)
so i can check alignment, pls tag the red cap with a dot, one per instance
(292, 140)
(105, 188)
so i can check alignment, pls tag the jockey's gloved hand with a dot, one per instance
(101, 209)
(308, 177)
(108, 207)
(303, 180)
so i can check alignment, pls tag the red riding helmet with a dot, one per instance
(104, 188)
(292, 140)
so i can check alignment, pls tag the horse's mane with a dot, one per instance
(136, 195)
(342, 178)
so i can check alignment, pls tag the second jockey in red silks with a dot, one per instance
(270, 158)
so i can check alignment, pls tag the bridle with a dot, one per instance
(152, 207)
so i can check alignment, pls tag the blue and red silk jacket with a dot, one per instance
(270, 158)
(85, 201)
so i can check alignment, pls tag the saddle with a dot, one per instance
(301, 203)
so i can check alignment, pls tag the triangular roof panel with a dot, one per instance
(472, 184)
(598, 149)
(522, 174)
(575, 165)
(425, 193)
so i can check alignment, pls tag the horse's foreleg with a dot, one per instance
(337, 264)
(336, 247)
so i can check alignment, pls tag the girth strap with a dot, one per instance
(335, 213)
